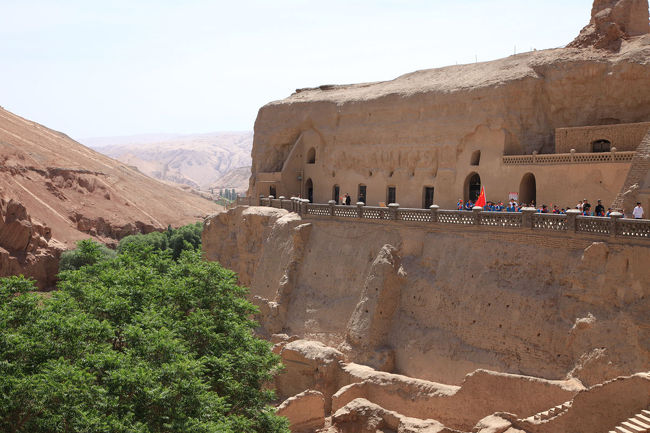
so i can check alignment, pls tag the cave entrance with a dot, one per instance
(528, 189)
(472, 187)
(272, 191)
(309, 187)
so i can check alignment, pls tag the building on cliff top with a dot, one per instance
(553, 126)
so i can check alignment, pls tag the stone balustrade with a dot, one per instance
(528, 218)
(568, 158)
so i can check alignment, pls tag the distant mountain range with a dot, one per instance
(203, 161)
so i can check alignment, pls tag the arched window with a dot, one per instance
(311, 156)
(472, 186)
(528, 189)
(601, 146)
(476, 158)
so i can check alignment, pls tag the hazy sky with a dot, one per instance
(95, 68)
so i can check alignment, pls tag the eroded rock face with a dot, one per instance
(305, 411)
(26, 246)
(370, 401)
(611, 22)
(533, 304)
(370, 324)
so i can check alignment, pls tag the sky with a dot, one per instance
(98, 68)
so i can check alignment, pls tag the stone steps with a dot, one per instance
(639, 423)
(551, 413)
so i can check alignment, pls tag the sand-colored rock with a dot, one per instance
(534, 304)
(78, 193)
(308, 365)
(612, 21)
(26, 246)
(428, 135)
(370, 323)
(305, 411)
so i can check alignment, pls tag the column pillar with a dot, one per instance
(393, 208)
(613, 228)
(527, 217)
(434, 212)
(571, 215)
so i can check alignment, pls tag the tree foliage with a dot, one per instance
(138, 343)
(88, 252)
(185, 238)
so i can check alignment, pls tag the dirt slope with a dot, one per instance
(72, 192)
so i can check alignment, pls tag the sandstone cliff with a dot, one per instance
(54, 191)
(439, 303)
(421, 127)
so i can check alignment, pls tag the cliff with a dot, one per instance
(438, 304)
(55, 191)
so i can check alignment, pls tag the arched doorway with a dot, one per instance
(309, 188)
(472, 186)
(528, 189)
(601, 146)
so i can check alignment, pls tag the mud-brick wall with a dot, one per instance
(623, 137)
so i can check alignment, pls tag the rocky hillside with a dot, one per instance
(197, 160)
(236, 178)
(55, 191)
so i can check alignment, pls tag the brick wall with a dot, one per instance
(624, 137)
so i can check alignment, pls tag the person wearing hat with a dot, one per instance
(600, 209)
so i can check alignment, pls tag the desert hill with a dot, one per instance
(197, 160)
(236, 178)
(55, 191)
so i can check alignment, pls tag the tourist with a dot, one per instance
(512, 207)
(544, 209)
(579, 205)
(586, 208)
(556, 210)
(600, 209)
(459, 205)
(348, 200)
(609, 212)
(638, 211)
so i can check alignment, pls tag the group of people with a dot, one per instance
(583, 206)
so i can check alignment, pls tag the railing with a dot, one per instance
(528, 218)
(568, 158)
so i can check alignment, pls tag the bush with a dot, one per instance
(88, 252)
(139, 343)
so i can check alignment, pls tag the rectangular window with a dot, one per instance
(362, 197)
(391, 195)
(336, 191)
(428, 196)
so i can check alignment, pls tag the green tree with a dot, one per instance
(136, 344)
(156, 240)
(88, 252)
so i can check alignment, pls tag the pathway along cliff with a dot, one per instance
(55, 191)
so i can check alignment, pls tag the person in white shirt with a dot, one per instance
(638, 211)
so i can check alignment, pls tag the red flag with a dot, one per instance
(480, 201)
